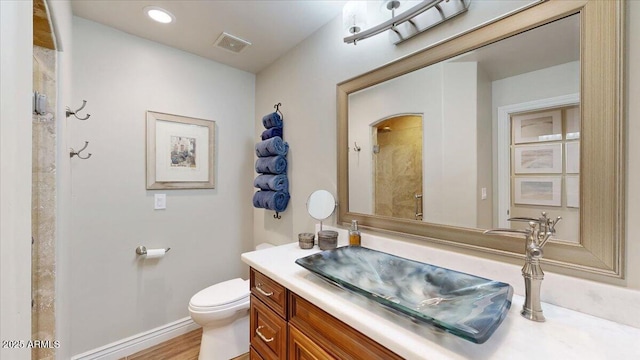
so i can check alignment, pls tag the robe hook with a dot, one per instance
(69, 112)
(277, 215)
(73, 153)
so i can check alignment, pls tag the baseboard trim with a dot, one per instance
(139, 342)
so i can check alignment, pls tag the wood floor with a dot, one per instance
(184, 347)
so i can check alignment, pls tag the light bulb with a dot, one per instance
(159, 14)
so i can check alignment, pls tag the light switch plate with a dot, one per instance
(160, 201)
(484, 193)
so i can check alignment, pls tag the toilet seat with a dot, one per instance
(222, 296)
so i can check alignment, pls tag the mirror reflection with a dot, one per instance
(476, 139)
(321, 204)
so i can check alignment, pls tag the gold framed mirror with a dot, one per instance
(598, 252)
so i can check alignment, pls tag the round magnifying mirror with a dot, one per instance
(321, 204)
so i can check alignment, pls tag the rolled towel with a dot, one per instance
(272, 120)
(272, 182)
(272, 200)
(269, 133)
(271, 147)
(271, 165)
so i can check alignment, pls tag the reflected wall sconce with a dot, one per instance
(404, 25)
(354, 16)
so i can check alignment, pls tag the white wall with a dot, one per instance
(485, 152)
(16, 49)
(305, 79)
(113, 293)
(541, 84)
(459, 131)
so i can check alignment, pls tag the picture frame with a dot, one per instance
(180, 152)
(572, 189)
(572, 157)
(537, 127)
(545, 191)
(572, 116)
(538, 159)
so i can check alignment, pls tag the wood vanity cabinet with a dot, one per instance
(268, 317)
(286, 326)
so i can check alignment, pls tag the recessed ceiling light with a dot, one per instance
(159, 14)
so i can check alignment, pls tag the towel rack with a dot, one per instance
(277, 107)
(267, 123)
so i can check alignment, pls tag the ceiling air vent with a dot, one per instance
(231, 43)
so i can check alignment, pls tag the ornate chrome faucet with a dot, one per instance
(536, 236)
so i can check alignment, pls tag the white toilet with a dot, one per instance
(223, 312)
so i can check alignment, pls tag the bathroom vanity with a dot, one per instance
(296, 315)
(285, 325)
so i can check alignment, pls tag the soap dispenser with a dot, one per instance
(354, 234)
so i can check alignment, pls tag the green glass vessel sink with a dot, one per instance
(465, 305)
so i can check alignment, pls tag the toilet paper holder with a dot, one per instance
(142, 250)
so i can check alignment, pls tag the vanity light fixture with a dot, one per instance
(159, 14)
(404, 25)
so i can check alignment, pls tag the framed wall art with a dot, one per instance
(538, 159)
(537, 127)
(544, 191)
(572, 184)
(573, 123)
(180, 152)
(572, 161)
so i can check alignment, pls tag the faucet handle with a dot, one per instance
(550, 230)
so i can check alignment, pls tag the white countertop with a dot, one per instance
(566, 334)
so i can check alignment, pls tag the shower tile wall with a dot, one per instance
(398, 167)
(43, 223)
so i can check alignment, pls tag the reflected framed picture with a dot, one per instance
(573, 123)
(544, 191)
(537, 127)
(180, 152)
(538, 159)
(572, 157)
(572, 184)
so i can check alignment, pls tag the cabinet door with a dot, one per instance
(303, 348)
(268, 331)
(253, 354)
(338, 338)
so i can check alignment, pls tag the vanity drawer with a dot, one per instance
(337, 338)
(269, 291)
(301, 347)
(268, 331)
